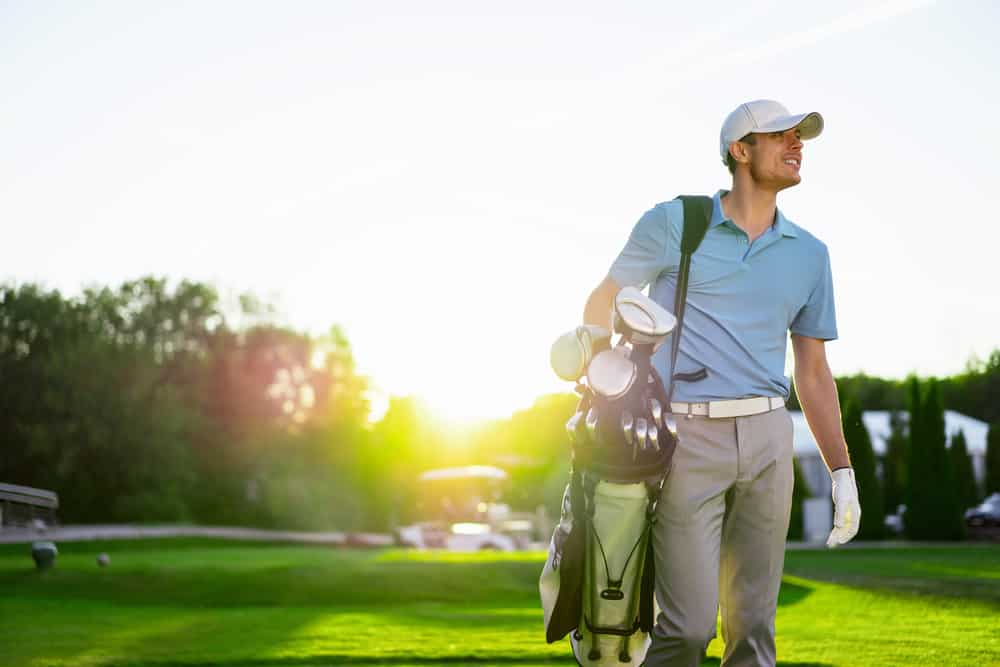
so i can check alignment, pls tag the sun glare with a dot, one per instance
(467, 349)
(462, 395)
(460, 405)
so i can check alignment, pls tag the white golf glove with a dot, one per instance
(846, 509)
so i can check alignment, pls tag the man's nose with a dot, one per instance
(793, 139)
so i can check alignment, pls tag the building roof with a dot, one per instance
(877, 423)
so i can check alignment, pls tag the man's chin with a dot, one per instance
(777, 182)
(789, 183)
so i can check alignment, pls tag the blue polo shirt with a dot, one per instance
(743, 298)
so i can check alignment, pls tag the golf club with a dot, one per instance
(654, 407)
(572, 425)
(640, 436)
(627, 423)
(654, 437)
(592, 424)
(671, 424)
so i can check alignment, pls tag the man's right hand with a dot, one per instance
(847, 509)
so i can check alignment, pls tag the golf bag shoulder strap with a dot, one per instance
(697, 215)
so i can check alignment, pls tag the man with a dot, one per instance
(724, 511)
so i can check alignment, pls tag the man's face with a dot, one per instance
(775, 159)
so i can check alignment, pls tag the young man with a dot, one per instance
(723, 514)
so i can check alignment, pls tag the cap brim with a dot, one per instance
(810, 125)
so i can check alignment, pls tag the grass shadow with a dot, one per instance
(344, 659)
(313, 578)
(715, 662)
(792, 593)
(971, 572)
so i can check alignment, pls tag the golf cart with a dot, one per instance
(461, 510)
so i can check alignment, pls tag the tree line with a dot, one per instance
(924, 470)
(151, 402)
(142, 403)
(154, 402)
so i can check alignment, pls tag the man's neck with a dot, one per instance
(751, 209)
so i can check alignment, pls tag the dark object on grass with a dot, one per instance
(44, 554)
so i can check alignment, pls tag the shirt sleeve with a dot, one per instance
(817, 318)
(644, 256)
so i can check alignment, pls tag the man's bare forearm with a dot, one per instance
(600, 303)
(817, 393)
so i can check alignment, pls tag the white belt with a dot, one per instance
(740, 407)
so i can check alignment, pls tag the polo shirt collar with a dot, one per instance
(781, 223)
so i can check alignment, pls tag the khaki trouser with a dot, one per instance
(720, 539)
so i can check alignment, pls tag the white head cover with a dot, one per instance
(611, 373)
(765, 116)
(648, 321)
(572, 351)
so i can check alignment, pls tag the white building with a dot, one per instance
(877, 422)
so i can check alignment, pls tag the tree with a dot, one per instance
(291, 421)
(976, 391)
(894, 463)
(871, 392)
(404, 443)
(343, 393)
(933, 511)
(88, 410)
(961, 465)
(993, 459)
(533, 444)
(138, 403)
(859, 446)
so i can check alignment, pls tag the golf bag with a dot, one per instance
(598, 581)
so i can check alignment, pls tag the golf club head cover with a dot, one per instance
(571, 353)
(611, 373)
(641, 320)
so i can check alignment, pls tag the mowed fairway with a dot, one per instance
(207, 602)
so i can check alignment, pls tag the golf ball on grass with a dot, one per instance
(103, 560)
(44, 554)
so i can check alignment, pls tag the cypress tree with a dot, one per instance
(916, 463)
(950, 515)
(932, 510)
(993, 459)
(961, 465)
(859, 445)
(894, 464)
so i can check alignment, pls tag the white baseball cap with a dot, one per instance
(766, 116)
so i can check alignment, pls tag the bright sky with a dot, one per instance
(449, 180)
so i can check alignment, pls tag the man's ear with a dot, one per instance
(738, 151)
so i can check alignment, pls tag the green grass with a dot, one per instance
(209, 602)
